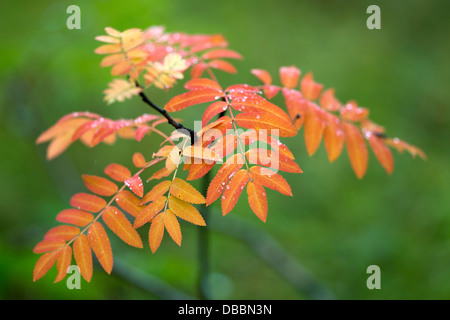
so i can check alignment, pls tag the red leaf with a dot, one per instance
(117, 172)
(141, 131)
(257, 200)
(99, 241)
(136, 185)
(99, 185)
(87, 202)
(356, 148)
(190, 98)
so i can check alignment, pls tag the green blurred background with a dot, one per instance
(335, 225)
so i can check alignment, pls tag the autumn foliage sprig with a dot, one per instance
(248, 159)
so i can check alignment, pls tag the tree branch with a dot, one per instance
(170, 120)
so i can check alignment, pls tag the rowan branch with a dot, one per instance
(170, 120)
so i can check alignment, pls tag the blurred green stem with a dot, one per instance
(203, 247)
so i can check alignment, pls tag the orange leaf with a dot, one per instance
(356, 148)
(296, 105)
(99, 185)
(156, 232)
(203, 83)
(257, 200)
(76, 217)
(190, 98)
(139, 160)
(224, 174)
(252, 137)
(83, 256)
(99, 241)
(310, 89)
(272, 160)
(333, 136)
(185, 191)
(289, 76)
(267, 121)
(119, 224)
(328, 101)
(109, 48)
(221, 53)
(129, 202)
(314, 127)
(136, 185)
(270, 91)
(198, 170)
(63, 262)
(383, 154)
(157, 191)
(201, 153)
(271, 180)
(212, 110)
(87, 202)
(225, 145)
(43, 265)
(65, 233)
(262, 75)
(150, 211)
(186, 211)
(172, 226)
(222, 65)
(49, 245)
(233, 190)
(257, 104)
(198, 69)
(117, 172)
(352, 112)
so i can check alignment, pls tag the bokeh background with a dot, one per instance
(334, 227)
